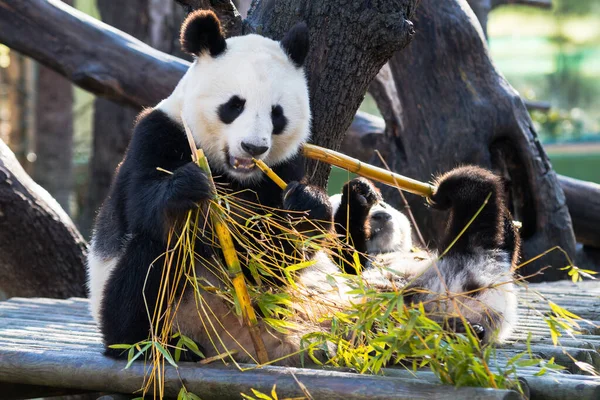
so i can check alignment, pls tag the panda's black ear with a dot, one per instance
(295, 43)
(201, 31)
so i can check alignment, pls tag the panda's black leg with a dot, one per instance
(352, 219)
(463, 191)
(131, 293)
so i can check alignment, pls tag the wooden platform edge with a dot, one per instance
(98, 373)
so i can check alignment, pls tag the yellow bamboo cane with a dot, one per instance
(231, 259)
(368, 171)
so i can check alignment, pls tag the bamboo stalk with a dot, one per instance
(270, 173)
(368, 171)
(231, 259)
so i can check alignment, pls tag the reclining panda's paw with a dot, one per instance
(299, 196)
(465, 186)
(361, 193)
(188, 188)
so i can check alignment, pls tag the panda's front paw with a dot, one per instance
(360, 193)
(308, 198)
(188, 188)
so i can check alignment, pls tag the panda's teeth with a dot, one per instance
(241, 164)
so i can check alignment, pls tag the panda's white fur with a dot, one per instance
(257, 69)
(493, 303)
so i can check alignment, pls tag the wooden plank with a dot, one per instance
(55, 342)
(95, 372)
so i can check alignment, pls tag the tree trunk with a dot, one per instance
(445, 104)
(53, 166)
(42, 254)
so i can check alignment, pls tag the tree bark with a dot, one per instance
(53, 166)
(447, 105)
(42, 254)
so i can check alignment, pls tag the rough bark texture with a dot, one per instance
(350, 42)
(446, 105)
(53, 167)
(42, 254)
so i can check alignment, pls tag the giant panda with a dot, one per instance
(242, 98)
(476, 271)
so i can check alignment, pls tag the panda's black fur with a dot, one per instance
(482, 258)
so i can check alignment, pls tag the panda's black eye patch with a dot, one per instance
(229, 111)
(279, 120)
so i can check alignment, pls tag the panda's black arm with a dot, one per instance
(156, 199)
(352, 220)
(313, 202)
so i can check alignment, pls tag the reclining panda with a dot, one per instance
(476, 270)
(242, 98)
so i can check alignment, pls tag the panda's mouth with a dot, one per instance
(241, 164)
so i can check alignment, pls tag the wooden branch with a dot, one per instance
(532, 105)
(91, 54)
(42, 252)
(583, 200)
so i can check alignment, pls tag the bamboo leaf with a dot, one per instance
(165, 354)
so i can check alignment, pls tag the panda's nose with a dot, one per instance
(253, 149)
(381, 216)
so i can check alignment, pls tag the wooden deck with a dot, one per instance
(50, 347)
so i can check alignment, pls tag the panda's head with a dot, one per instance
(243, 97)
(388, 229)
